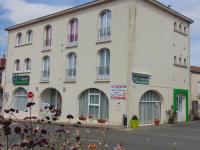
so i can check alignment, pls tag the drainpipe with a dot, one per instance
(131, 47)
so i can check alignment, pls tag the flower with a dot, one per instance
(29, 104)
(6, 111)
(70, 116)
(43, 131)
(47, 118)
(61, 131)
(12, 110)
(51, 107)
(18, 130)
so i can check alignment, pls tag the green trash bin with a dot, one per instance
(134, 124)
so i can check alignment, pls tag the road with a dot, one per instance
(163, 137)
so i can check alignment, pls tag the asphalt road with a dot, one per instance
(163, 137)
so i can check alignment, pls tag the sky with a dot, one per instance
(17, 11)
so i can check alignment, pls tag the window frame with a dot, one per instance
(106, 64)
(27, 64)
(73, 31)
(29, 37)
(17, 65)
(107, 25)
(45, 68)
(73, 67)
(19, 37)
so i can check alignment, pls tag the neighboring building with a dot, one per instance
(2, 79)
(102, 59)
(195, 91)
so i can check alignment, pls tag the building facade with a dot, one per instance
(103, 59)
(195, 91)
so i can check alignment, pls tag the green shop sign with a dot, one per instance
(20, 79)
(139, 78)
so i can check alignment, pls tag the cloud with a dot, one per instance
(19, 11)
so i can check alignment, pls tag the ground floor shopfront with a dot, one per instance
(97, 103)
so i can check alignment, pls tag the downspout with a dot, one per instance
(131, 47)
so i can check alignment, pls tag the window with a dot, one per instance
(47, 36)
(179, 102)
(185, 30)
(175, 60)
(29, 36)
(105, 25)
(94, 103)
(175, 26)
(103, 68)
(185, 62)
(19, 39)
(71, 67)
(180, 60)
(27, 64)
(198, 88)
(73, 31)
(20, 99)
(17, 65)
(180, 28)
(45, 68)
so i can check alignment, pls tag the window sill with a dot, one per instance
(179, 65)
(22, 72)
(185, 34)
(102, 80)
(103, 41)
(70, 81)
(44, 81)
(72, 45)
(23, 45)
(46, 50)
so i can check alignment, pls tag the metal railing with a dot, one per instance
(73, 38)
(103, 72)
(45, 75)
(47, 44)
(104, 33)
(71, 74)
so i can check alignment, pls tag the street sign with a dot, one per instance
(30, 95)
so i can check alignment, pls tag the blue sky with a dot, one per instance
(16, 11)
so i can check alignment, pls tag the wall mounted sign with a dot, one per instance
(139, 78)
(119, 91)
(20, 79)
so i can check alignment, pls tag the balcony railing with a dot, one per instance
(104, 33)
(71, 74)
(103, 72)
(47, 44)
(45, 75)
(72, 39)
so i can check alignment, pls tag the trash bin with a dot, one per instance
(125, 119)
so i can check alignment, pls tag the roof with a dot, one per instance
(93, 4)
(195, 69)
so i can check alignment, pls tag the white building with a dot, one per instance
(102, 59)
